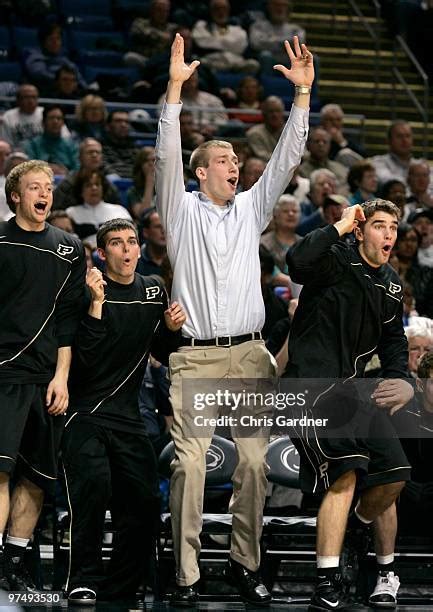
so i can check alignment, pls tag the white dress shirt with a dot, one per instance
(214, 251)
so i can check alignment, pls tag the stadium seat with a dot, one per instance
(24, 37)
(96, 41)
(69, 8)
(5, 44)
(229, 79)
(126, 74)
(10, 71)
(123, 184)
(100, 59)
(90, 23)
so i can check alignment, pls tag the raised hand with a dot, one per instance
(301, 64)
(179, 70)
(350, 219)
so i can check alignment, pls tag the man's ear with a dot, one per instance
(15, 197)
(201, 173)
(358, 234)
(101, 253)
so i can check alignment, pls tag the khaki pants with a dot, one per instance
(248, 360)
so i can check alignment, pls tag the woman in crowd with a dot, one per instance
(141, 194)
(90, 116)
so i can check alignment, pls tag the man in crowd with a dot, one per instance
(395, 164)
(212, 235)
(19, 124)
(43, 270)
(119, 148)
(90, 157)
(51, 146)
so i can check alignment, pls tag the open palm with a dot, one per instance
(179, 71)
(301, 64)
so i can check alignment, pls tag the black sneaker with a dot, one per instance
(18, 576)
(329, 595)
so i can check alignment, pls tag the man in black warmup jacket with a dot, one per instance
(42, 271)
(106, 452)
(349, 308)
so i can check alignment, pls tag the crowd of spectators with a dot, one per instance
(105, 169)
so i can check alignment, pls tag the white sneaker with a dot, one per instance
(385, 592)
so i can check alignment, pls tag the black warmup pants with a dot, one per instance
(106, 468)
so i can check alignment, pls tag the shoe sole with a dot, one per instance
(347, 608)
(82, 602)
(383, 604)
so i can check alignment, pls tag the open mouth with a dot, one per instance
(41, 206)
(233, 181)
(387, 248)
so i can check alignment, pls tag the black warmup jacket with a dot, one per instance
(110, 354)
(41, 289)
(347, 311)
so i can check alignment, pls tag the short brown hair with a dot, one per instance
(378, 205)
(200, 155)
(113, 225)
(13, 178)
(83, 177)
(425, 366)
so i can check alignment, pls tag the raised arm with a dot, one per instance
(169, 186)
(301, 72)
(288, 152)
(179, 71)
(311, 260)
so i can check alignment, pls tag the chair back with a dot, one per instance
(283, 461)
(221, 460)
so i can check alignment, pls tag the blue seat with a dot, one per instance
(5, 43)
(123, 184)
(229, 79)
(101, 59)
(92, 73)
(69, 8)
(90, 23)
(96, 41)
(10, 71)
(278, 86)
(24, 37)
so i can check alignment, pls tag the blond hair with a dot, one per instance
(13, 178)
(84, 103)
(200, 156)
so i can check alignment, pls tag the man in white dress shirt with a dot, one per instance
(213, 244)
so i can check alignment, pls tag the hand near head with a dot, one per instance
(349, 219)
(179, 71)
(301, 64)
